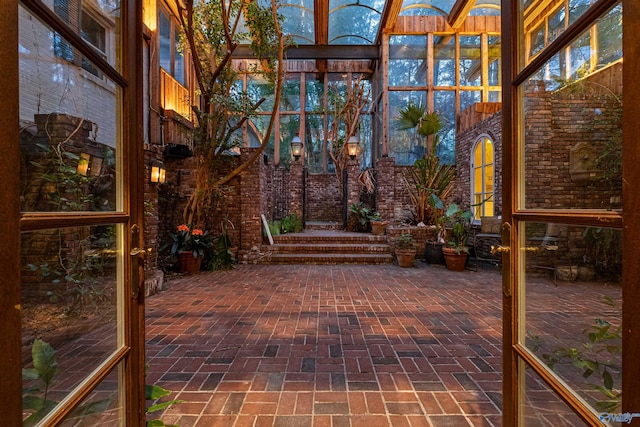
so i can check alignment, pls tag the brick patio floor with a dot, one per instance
(353, 345)
(332, 345)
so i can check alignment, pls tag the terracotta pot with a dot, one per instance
(455, 261)
(405, 257)
(379, 227)
(188, 263)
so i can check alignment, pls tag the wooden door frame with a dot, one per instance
(629, 221)
(130, 79)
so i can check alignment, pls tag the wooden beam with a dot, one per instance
(389, 17)
(459, 12)
(321, 19)
(351, 52)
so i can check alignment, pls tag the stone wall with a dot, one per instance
(323, 200)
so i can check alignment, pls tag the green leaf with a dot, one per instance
(608, 380)
(153, 392)
(162, 405)
(44, 360)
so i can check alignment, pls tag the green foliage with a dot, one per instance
(604, 249)
(425, 178)
(291, 223)
(405, 241)
(45, 368)
(595, 357)
(190, 239)
(223, 257)
(458, 226)
(415, 116)
(154, 392)
(360, 217)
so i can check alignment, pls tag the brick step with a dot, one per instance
(324, 225)
(328, 258)
(340, 248)
(329, 237)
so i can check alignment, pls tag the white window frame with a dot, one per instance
(472, 168)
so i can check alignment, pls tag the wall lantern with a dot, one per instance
(352, 146)
(296, 147)
(158, 172)
(89, 165)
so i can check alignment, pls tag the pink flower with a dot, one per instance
(196, 232)
(183, 227)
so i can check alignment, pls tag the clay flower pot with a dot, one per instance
(188, 263)
(455, 261)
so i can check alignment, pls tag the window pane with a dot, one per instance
(580, 340)
(178, 59)
(314, 143)
(468, 98)
(258, 88)
(407, 61)
(406, 146)
(96, 22)
(164, 37)
(314, 89)
(444, 56)
(298, 20)
(69, 136)
(573, 152)
(69, 294)
(470, 61)
(445, 104)
(494, 58)
(92, 31)
(354, 22)
(290, 98)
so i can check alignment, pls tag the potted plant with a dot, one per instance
(360, 217)
(378, 225)
(433, 248)
(405, 250)
(190, 245)
(458, 225)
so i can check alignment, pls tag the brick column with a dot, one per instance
(385, 196)
(295, 187)
(353, 186)
(250, 196)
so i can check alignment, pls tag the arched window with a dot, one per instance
(482, 178)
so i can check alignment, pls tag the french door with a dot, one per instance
(570, 286)
(73, 335)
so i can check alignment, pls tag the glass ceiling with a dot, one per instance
(357, 22)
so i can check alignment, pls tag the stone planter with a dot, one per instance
(188, 263)
(405, 257)
(455, 261)
(567, 273)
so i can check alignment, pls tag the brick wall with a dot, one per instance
(324, 202)
(465, 141)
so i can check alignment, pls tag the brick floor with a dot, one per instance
(330, 345)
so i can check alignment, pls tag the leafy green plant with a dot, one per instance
(291, 223)
(154, 392)
(405, 241)
(35, 400)
(595, 357)
(604, 249)
(425, 178)
(360, 217)
(458, 226)
(415, 116)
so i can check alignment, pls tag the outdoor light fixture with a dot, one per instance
(158, 172)
(296, 146)
(352, 146)
(89, 165)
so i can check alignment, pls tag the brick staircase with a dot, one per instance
(323, 243)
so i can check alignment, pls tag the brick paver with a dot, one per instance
(330, 345)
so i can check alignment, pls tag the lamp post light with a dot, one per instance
(352, 146)
(296, 147)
